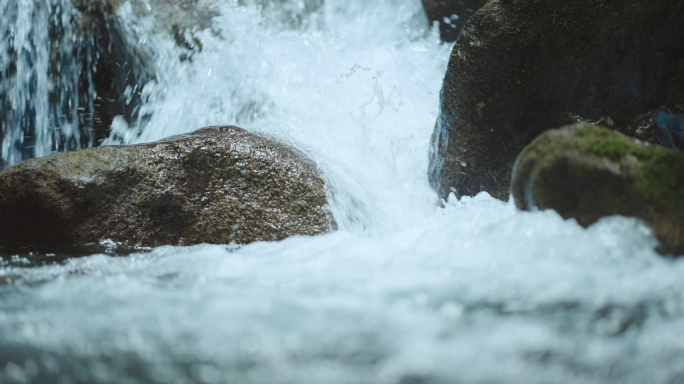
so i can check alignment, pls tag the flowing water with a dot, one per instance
(409, 290)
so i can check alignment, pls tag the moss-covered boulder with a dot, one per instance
(587, 172)
(520, 67)
(216, 185)
(451, 15)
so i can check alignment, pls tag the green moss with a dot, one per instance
(661, 179)
(661, 176)
(602, 142)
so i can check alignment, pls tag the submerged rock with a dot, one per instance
(216, 185)
(452, 15)
(523, 66)
(587, 172)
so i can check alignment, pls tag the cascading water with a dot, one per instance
(66, 70)
(405, 292)
(25, 50)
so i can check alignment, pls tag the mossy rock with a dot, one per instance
(587, 172)
(520, 67)
(451, 15)
(216, 185)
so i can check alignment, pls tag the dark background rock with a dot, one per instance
(216, 185)
(586, 172)
(452, 15)
(523, 66)
(114, 67)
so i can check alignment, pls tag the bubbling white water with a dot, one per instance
(405, 292)
(357, 94)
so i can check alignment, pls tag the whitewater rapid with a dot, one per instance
(409, 290)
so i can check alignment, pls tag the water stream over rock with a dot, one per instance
(406, 291)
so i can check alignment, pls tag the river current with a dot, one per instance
(409, 290)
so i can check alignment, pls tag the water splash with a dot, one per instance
(360, 105)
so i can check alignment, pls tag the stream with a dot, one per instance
(409, 290)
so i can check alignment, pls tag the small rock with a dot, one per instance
(183, 190)
(587, 172)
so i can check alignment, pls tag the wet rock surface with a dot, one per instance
(523, 66)
(452, 15)
(587, 172)
(216, 185)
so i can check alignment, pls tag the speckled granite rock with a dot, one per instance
(216, 185)
(520, 67)
(587, 172)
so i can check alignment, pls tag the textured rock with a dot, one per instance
(216, 185)
(587, 172)
(452, 15)
(520, 67)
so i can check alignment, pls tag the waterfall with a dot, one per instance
(25, 52)
(67, 69)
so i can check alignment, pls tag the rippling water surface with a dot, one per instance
(407, 291)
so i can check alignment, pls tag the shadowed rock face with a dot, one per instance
(216, 185)
(452, 15)
(523, 66)
(587, 172)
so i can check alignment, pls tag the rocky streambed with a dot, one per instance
(341, 235)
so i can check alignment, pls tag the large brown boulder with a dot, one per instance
(523, 66)
(216, 185)
(451, 15)
(587, 172)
